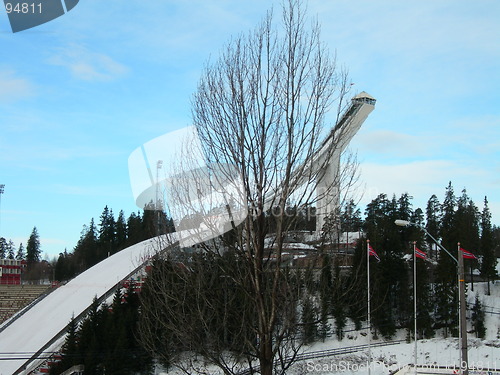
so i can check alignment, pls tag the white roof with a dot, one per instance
(363, 94)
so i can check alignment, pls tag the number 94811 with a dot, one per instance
(23, 8)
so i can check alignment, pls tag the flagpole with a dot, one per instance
(462, 322)
(415, 303)
(369, 315)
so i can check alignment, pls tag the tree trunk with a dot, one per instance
(266, 356)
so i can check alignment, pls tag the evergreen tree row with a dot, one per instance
(455, 220)
(8, 250)
(31, 254)
(105, 341)
(330, 296)
(108, 237)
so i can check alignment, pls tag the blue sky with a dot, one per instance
(80, 93)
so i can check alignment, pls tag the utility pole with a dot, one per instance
(464, 360)
(158, 205)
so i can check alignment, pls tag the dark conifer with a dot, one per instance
(446, 271)
(3, 248)
(21, 255)
(107, 234)
(135, 229)
(10, 250)
(33, 250)
(121, 232)
(433, 224)
(309, 319)
(85, 251)
(487, 247)
(478, 318)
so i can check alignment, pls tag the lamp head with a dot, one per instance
(402, 223)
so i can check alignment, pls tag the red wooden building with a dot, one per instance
(11, 270)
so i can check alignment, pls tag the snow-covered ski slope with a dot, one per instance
(31, 332)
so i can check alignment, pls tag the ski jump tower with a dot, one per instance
(328, 157)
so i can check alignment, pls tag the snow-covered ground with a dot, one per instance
(34, 329)
(484, 355)
(430, 353)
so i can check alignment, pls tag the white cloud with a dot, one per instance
(390, 142)
(88, 65)
(13, 88)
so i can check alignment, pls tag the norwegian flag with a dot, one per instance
(373, 253)
(420, 254)
(467, 254)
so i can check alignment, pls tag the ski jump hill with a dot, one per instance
(26, 338)
(30, 337)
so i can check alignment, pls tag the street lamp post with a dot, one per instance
(464, 361)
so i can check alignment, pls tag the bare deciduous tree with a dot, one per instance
(262, 109)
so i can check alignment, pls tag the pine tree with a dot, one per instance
(425, 318)
(33, 250)
(309, 321)
(467, 223)
(433, 222)
(350, 218)
(487, 247)
(69, 350)
(90, 346)
(448, 231)
(404, 209)
(135, 229)
(121, 231)
(3, 248)
(415, 231)
(478, 318)
(446, 271)
(20, 252)
(107, 234)
(356, 284)
(85, 251)
(65, 267)
(467, 227)
(10, 250)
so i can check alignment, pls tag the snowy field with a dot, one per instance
(484, 355)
